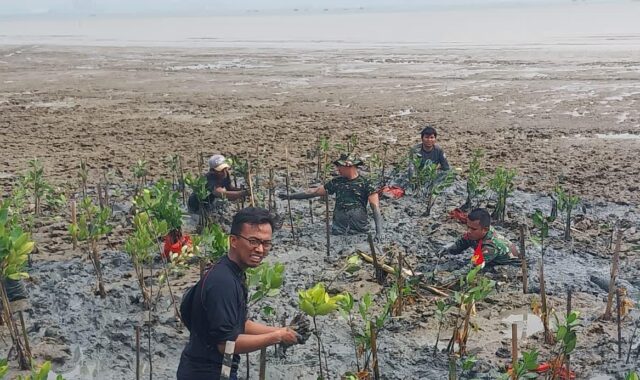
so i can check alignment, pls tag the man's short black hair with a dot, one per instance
(482, 215)
(429, 130)
(251, 215)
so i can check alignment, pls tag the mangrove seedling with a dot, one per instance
(39, 190)
(91, 226)
(40, 373)
(475, 179)
(317, 302)
(441, 314)
(566, 339)
(525, 368)
(502, 184)
(542, 223)
(473, 289)
(566, 203)
(430, 182)
(141, 245)
(140, 173)
(15, 247)
(198, 185)
(214, 244)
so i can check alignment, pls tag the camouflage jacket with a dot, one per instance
(495, 248)
(350, 193)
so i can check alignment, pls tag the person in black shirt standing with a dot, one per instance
(219, 308)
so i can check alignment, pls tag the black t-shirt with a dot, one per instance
(213, 183)
(220, 317)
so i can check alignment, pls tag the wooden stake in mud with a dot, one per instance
(304, 173)
(548, 338)
(287, 182)
(523, 257)
(569, 296)
(514, 350)
(379, 274)
(614, 274)
(74, 220)
(327, 223)
(200, 162)
(181, 181)
(100, 199)
(374, 350)
(26, 337)
(271, 186)
(263, 364)
(618, 323)
(252, 200)
(138, 353)
(400, 285)
(384, 165)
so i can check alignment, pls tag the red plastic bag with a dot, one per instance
(172, 245)
(459, 215)
(394, 192)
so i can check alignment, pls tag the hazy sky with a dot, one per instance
(9, 7)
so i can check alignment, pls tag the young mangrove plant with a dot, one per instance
(475, 181)
(317, 302)
(37, 188)
(502, 184)
(441, 314)
(566, 203)
(141, 246)
(430, 182)
(91, 226)
(525, 368)
(140, 172)
(542, 223)
(15, 247)
(473, 289)
(198, 185)
(40, 373)
(566, 339)
(161, 202)
(266, 281)
(211, 245)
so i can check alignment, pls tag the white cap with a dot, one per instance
(218, 163)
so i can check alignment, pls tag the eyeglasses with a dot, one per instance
(255, 243)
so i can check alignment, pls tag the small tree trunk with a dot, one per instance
(548, 337)
(614, 275)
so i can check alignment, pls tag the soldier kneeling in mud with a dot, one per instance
(352, 191)
(489, 248)
(219, 186)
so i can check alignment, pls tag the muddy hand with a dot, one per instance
(300, 324)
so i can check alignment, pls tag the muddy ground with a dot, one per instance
(569, 116)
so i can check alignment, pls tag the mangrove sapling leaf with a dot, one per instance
(566, 339)
(441, 310)
(83, 174)
(632, 375)
(502, 184)
(4, 368)
(525, 367)
(161, 202)
(140, 247)
(475, 179)
(266, 279)
(40, 373)
(214, 243)
(15, 247)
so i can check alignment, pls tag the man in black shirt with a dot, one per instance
(219, 308)
(219, 186)
(427, 150)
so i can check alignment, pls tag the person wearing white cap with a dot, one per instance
(218, 184)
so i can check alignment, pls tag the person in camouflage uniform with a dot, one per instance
(489, 248)
(353, 192)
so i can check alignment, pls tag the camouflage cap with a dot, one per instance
(348, 160)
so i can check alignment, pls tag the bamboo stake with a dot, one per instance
(252, 200)
(374, 350)
(400, 285)
(74, 220)
(263, 364)
(384, 164)
(327, 224)
(514, 350)
(271, 186)
(304, 173)
(569, 296)
(523, 257)
(545, 311)
(377, 272)
(618, 323)
(181, 181)
(614, 274)
(287, 180)
(24, 333)
(138, 353)
(99, 191)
